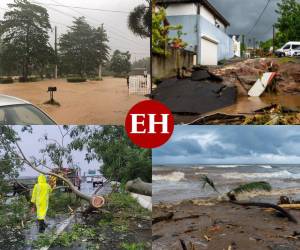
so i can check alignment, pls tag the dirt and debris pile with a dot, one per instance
(201, 93)
(248, 71)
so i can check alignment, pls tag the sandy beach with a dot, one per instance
(209, 224)
(93, 102)
(187, 215)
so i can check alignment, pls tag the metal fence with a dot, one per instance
(139, 84)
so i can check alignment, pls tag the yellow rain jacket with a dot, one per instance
(40, 197)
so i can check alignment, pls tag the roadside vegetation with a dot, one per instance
(83, 52)
(121, 222)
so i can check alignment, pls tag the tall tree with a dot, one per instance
(24, 34)
(102, 49)
(122, 160)
(288, 22)
(120, 62)
(83, 48)
(139, 20)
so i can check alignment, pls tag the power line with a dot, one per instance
(260, 16)
(84, 8)
(118, 35)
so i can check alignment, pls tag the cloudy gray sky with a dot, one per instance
(231, 145)
(31, 145)
(115, 22)
(242, 15)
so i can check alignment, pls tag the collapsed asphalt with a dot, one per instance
(199, 94)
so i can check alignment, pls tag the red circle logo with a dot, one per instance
(149, 124)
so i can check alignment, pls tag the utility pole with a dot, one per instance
(273, 43)
(55, 70)
(100, 64)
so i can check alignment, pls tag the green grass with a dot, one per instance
(133, 246)
(127, 204)
(284, 60)
(59, 202)
(14, 213)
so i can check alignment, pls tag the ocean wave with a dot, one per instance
(199, 168)
(227, 166)
(174, 176)
(284, 174)
(266, 166)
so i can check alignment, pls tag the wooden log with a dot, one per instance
(290, 206)
(139, 187)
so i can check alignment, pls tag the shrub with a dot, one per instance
(33, 79)
(96, 79)
(120, 75)
(29, 79)
(76, 79)
(6, 80)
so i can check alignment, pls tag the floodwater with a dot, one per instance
(247, 105)
(103, 102)
(54, 223)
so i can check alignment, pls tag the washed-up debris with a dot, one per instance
(271, 115)
(261, 84)
(193, 96)
(218, 118)
(248, 71)
(163, 217)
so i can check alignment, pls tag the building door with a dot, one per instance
(209, 52)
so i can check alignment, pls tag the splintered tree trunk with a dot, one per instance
(139, 187)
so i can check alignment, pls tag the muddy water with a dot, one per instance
(247, 105)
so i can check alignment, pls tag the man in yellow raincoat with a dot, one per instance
(40, 198)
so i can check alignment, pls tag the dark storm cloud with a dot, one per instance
(182, 147)
(242, 15)
(231, 144)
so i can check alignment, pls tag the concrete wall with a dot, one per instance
(225, 46)
(165, 67)
(181, 9)
(206, 28)
(189, 23)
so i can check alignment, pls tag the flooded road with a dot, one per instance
(55, 223)
(88, 188)
(247, 105)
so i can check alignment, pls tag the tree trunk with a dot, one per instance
(95, 201)
(139, 187)
(100, 72)
(267, 205)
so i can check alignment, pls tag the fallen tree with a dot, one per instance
(95, 200)
(14, 155)
(249, 187)
(139, 187)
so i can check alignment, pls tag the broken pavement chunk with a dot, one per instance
(200, 75)
(194, 97)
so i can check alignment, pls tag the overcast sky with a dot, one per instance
(115, 23)
(231, 145)
(242, 15)
(31, 145)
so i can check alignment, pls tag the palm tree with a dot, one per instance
(248, 187)
(139, 20)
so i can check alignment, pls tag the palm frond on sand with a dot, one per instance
(206, 180)
(252, 186)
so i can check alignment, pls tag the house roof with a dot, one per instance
(206, 3)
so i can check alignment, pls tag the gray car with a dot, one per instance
(15, 111)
